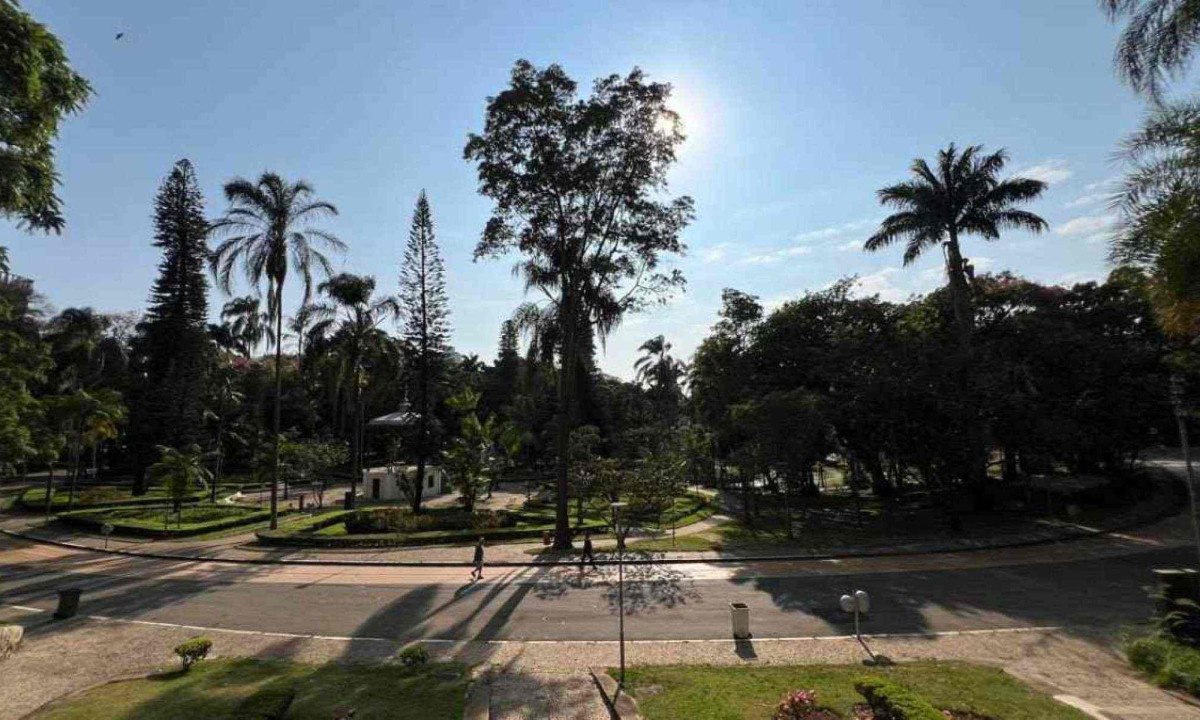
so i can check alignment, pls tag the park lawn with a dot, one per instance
(213, 689)
(746, 693)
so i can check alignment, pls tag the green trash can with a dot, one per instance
(68, 603)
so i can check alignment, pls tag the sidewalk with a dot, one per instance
(549, 679)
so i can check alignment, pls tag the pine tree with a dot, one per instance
(426, 325)
(171, 350)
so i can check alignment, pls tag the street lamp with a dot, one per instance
(1181, 413)
(616, 508)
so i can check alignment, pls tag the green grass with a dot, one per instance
(96, 496)
(751, 693)
(214, 688)
(1166, 662)
(161, 521)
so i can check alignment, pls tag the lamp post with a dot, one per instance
(616, 508)
(1181, 413)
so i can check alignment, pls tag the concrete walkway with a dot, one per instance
(549, 679)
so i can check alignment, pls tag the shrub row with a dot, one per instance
(94, 520)
(295, 538)
(34, 499)
(887, 699)
(376, 521)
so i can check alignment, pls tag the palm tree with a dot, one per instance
(269, 222)
(223, 398)
(964, 195)
(661, 373)
(1158, 41)
(247, 324)
(351, 320)
(181, 470)
(90, 418)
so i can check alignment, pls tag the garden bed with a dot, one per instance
(330, 529)
(704, 692)
(220, 689)
(98, 496)
(160, 520)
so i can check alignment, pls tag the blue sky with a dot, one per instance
(796, 111)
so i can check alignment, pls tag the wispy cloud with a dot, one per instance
(1092, 227)
(1050, 172)
(1089, 199)
(851, 245)
(714, 254)
(820, 236)
(773, 256)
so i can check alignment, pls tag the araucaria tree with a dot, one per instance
(962, 195)
(172, 349)
(426, 325)
(269, 222)
(579, 186)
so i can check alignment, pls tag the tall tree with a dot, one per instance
(248, 324)
(662, 374)
(426, 324)
(579, 186)
(352, 319)
(172, 348)
(964, 195)
(1158, 41)
(271, 235)
(38, 89)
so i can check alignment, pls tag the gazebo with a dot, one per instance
(385, 483)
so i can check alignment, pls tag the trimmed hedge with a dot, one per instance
(308, 538)
(34, 499)
(94, 520)
(887, 699)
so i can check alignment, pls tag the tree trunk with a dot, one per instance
(964, 319)
(422, 427)
(566, 397)
(49, 487)
(220, 453)
(278, 404)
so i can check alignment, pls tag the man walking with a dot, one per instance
(477, 573)
(589, 555)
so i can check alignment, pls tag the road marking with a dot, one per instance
(444, 641)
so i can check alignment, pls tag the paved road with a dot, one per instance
(662, 602)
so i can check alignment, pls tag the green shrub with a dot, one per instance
(1168, 663)
(269, 703)
(193, 650)
(414, 655)
(374, 521)
(889, 700)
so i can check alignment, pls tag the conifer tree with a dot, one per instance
(171, 351)
(426, 326)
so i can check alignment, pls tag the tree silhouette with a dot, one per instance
(579, 186)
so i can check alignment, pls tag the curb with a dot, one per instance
(1069, 534)
(620, 704)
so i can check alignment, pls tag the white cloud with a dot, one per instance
(760, 259)
(714, 254)
(834, 231)
(881, 283)
(1108, 184)
(1050, 172)
(774, 256)
(851, 245)
(1086, 225)
(1090, 199)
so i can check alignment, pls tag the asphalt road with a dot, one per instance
(661, 602)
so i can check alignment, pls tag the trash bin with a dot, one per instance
(68, 603)
(348, 503)
(740, 614)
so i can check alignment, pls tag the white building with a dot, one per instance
(392, 482)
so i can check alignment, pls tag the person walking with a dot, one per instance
(477, 573)
(589, 555)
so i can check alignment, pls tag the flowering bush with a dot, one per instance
(797, 705)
